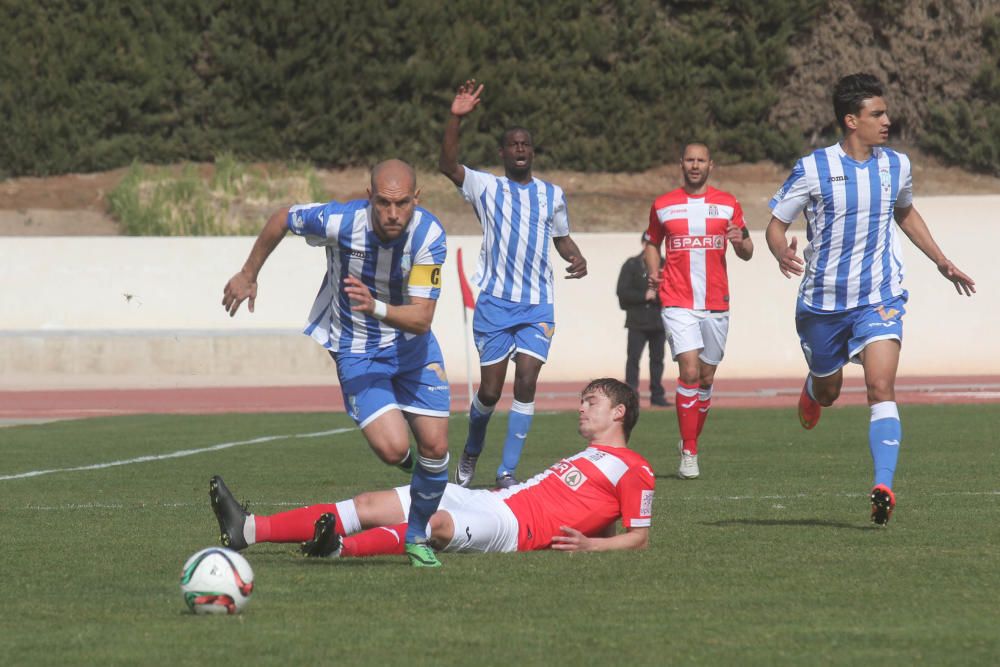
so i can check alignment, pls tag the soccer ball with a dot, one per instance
(216, 581)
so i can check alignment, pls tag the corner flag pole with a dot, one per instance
(468, 303)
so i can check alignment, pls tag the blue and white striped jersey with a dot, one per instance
(518, 223)
(352, 248)
(853, 257)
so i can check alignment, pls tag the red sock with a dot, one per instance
(295, 525)
(686, 402)
(704, 405)
(381, 541)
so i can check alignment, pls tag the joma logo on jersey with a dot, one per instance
(838, 179)
(360, 254)
(886, 314)
(713, 242)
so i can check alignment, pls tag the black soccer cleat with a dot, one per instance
(325, 542)
(229, 513)
(883, 503)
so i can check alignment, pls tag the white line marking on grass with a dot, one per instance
(175, 455)
(303, 503)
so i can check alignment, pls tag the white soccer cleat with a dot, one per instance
(689, 463)
(466, 469)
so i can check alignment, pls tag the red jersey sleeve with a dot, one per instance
(635, 496)
(738, 215)
(654, 232)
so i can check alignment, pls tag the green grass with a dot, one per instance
(227, 198)
(767, 559)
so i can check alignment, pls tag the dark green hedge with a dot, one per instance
(605, 85)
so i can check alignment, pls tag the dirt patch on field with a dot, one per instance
(75, 204)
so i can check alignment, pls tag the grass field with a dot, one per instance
(767, 559)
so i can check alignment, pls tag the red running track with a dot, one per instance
(744, 393)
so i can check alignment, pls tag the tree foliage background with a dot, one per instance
(606, 85)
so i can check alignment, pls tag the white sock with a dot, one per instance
(250, 530)
(348, 513)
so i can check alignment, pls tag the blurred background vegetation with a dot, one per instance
(605, 85)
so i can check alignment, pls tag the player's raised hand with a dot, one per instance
(571, 540)
(790, 263)
(467, 98)
(577, 266)
(962, 282)
(239, 288)
(361, 297)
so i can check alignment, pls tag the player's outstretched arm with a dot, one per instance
(788, 262)
(243, 285)
(573, 540)
(568, 250)
(414, 317)
(915, 228)
(466, 100)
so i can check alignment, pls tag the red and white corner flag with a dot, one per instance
(468, 302)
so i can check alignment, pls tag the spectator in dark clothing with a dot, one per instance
(642, 319)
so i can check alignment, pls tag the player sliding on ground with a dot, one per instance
(572, 506)
(851, 300)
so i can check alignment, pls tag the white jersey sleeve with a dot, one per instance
(792, 197)
(312, 222)
(560, 215)
(905, 196)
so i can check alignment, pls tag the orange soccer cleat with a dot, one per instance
(809, 410)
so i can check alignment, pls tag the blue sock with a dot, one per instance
(884, 436)
(430, 476)
(518, 425)
(479, 419)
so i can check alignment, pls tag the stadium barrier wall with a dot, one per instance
(117, 311)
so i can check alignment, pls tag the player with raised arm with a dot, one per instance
(851, 301)
(514, 316)
(572, 506)
(696, 223)
(373, 314)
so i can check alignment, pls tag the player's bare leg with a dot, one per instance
(818, 393)
(885, 433)
(522, 412)
(389, 437)
(491, 379)
(442, 529)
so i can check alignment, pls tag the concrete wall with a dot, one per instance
(117, 311)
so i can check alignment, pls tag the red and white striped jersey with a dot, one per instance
(693, 228)
(587, 491)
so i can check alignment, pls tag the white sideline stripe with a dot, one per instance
(117, 506)
(175, 455)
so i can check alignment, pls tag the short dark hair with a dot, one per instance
(514, 128)
(618, 393)
(851, 92)
(684, 148)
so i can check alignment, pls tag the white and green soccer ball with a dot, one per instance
(216, 581)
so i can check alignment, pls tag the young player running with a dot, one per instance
(572, 506)
(373, 314)
(851, 301)
(695, 222)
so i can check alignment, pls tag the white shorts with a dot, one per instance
(483, 522)
(696, 330)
